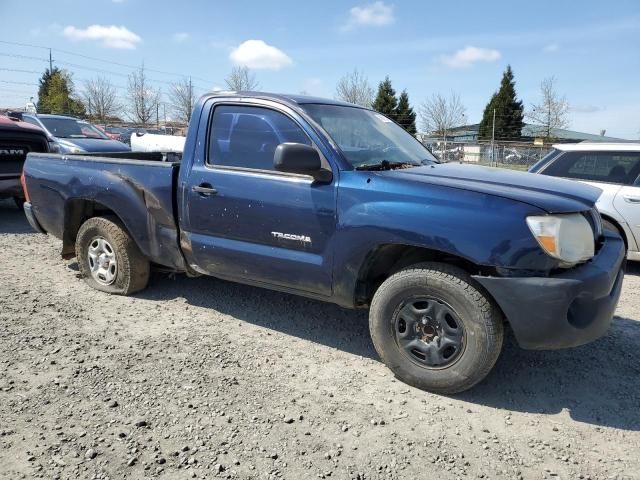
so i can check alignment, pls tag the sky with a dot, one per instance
(591, 47)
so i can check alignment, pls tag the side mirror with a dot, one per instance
(302, 159)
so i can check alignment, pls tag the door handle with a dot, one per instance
(631, 199)
(204, 189)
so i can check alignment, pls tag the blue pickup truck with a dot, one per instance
(328, 200)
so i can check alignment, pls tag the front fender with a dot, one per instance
(483, 229)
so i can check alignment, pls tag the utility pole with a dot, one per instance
(157, 115)
(50, 62)
(493, 138)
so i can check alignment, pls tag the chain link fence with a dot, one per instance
(514, 155)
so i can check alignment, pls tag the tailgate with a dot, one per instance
(14, 146)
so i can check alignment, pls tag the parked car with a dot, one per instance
(72, 135)
(123, 132)
(109, 132)
(336, 202)
(612, 167)
(17, 138)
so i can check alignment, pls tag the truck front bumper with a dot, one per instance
(566, 309)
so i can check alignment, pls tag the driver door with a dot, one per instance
(250, 223)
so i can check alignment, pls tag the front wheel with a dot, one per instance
(109, 259)
(435, 328)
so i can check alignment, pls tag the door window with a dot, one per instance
(247, 137)
(610, 167)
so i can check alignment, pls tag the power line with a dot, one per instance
(28, 57)
(19, 83)
(124, 65)
(19, 70)
(84, 67)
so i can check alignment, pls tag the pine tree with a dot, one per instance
(43, 87)
(55, 94)
(509, 111)
(386, 101)
(405, 116)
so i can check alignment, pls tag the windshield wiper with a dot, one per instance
(385, 165)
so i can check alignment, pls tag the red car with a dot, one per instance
(112, 135)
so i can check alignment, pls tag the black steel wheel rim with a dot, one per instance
(429, 332)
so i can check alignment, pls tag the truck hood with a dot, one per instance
(554, 195)
(95, 144)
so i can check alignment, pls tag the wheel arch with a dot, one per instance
(387, 259)
(76, 212)
(618, 226)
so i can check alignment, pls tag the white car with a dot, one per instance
(612, 167)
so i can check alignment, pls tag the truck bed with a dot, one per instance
(137, 187)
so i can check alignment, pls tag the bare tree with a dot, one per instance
(143, 98)
(100, 99)
(440, 114)
(182, 98)
(354, 88)
(552, 112)
(241, 79)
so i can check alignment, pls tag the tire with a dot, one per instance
(124, 271)
(457, 335)
(19, 202)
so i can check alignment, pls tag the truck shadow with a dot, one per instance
(633, 268)
(597, 384)
(12, 220)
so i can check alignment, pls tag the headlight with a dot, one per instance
(75, 150)
(54, 147)
(64, 147)
(569, 238)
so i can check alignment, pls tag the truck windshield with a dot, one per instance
(369, 140)
(71, 128)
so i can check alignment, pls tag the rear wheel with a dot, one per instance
(109, 259)
(435, 328)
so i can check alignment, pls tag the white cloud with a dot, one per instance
(469, 55)
(111, 36)
(180, 37)
(551, 48)
(376, 14)
(259, 55)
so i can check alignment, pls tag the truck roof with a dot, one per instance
(290, 99)
(8, 123)
(598, 147)
(49, 115)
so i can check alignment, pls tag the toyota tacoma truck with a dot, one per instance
(336, 202)
(17, 138)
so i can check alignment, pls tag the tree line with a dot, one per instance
(503, 116)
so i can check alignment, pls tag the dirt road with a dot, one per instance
(200, 378)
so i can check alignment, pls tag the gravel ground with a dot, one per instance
(200, 378)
